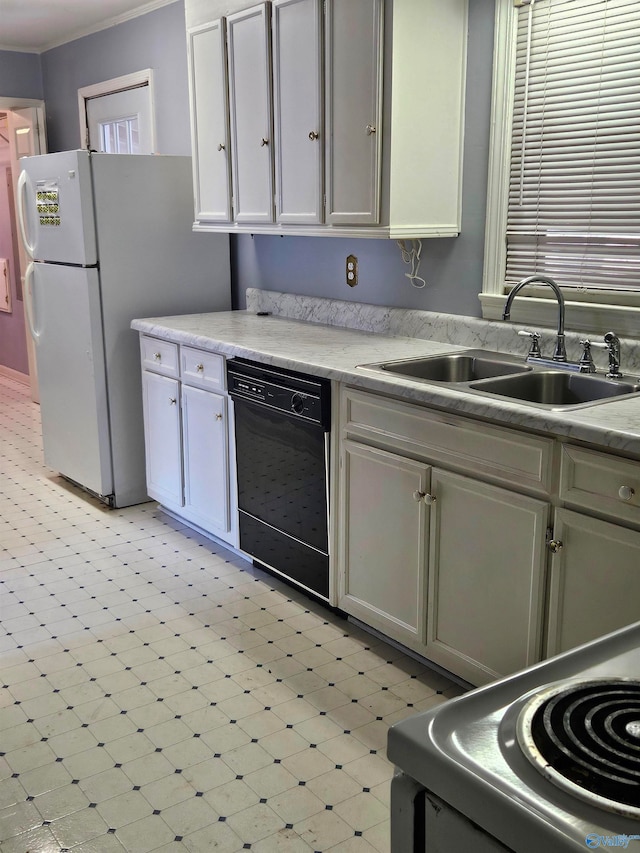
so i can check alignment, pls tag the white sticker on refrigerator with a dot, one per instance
(48, 202)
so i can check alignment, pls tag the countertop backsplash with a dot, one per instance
(452, 329)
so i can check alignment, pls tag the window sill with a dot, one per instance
(580, 317)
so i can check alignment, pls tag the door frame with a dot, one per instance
(135, 80)
(11, 104)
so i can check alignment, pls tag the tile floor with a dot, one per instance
(160, 694)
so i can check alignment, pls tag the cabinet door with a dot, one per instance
(162, 438)
(384, 536)
(595, 580)
(249, 44)
(297, 101)
(353, 111)
(210, 122)
(206, 472)
(486, 561)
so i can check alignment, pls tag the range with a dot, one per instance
(545, 760)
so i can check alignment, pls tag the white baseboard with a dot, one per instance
(10, 373)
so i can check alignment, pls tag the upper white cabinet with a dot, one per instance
(210, 122)
(354, 111)
(298, 119)
(346, 118)
(249, 43)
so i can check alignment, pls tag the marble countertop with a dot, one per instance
(335, 352)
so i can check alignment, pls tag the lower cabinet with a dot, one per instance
(487, 556)
(162, 437)
(594, 584)
(384, 541)
(439, 546)
(189, 438)
(482, 548)
(206, 468)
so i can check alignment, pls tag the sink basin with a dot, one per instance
(455, 367)
(557, 389)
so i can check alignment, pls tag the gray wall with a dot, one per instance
(313, 265)
(156, 40)
(20, 75)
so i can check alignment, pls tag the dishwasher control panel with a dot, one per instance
(306, 397)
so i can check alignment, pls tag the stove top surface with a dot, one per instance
(584, 736)
(468, 752)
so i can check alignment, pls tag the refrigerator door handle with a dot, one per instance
(28, 301)
(22, 222)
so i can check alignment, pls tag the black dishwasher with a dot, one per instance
(282, 424)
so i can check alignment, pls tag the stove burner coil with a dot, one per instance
(585, 737)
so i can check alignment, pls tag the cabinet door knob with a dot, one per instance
(554, 545)
(425, 497)
(221, 146)
(625, 493)
(157, 356)
(313, 135)
(172, 401)
(370, 129)
(264, 142)
(199, 367)
(218, 417)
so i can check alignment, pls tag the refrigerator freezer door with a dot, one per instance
(55, 204)
(67, 326)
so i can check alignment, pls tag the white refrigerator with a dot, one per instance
(110, 240)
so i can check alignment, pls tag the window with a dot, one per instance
(564, 198)
(120, 137)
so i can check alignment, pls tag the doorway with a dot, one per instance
(22, 133)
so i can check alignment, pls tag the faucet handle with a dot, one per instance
(534, 349)
(586, 359)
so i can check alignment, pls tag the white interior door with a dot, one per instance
(117, 116)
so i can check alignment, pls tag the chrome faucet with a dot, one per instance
(560, 353)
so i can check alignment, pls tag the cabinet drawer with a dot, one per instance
(607, 484)
(159, 356)
(505, 455)
(202, 369)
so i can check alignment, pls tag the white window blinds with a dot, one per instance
(574, 191)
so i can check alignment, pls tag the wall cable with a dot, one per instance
(412, 256)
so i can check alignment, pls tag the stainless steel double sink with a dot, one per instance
(502, 375)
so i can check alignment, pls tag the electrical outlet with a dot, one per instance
(352, 270)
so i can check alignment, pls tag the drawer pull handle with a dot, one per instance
(425, 497)
(200, 368)
(554, 545)
(157, 356)
(625, 493)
